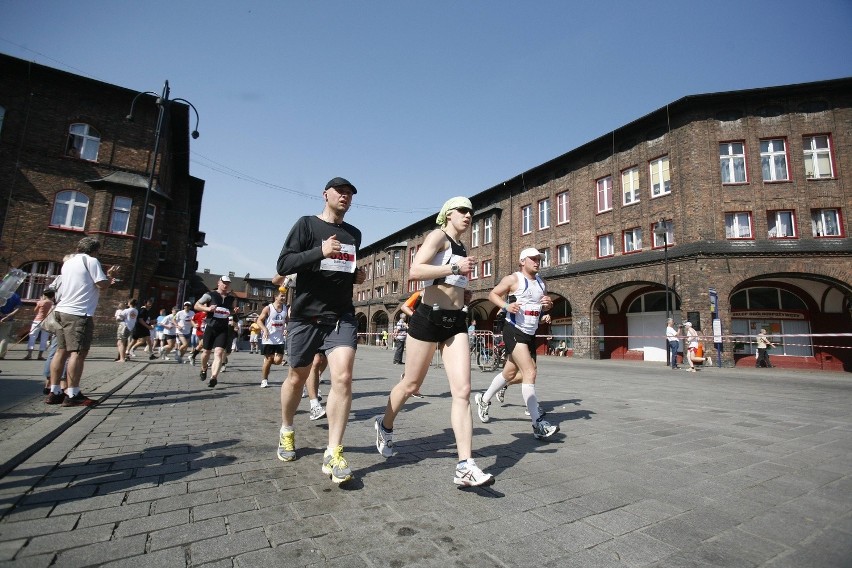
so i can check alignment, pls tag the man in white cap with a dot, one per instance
(523, 296)
(218, 304)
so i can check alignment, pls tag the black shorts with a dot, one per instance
(270, 349)
(141, 332)
(424, 326)
(216, 335)
(512, 337)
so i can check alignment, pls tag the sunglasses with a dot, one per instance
(464, 210)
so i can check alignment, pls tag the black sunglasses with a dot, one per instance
(464, 210)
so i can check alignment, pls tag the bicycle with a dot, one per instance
(491, 359)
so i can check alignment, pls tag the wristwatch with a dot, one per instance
(456, 269)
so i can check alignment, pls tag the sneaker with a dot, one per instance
(335, 466)
(212, 383)
(481, 407)
(178, 359)
(544, 429)
(541, 412)
(304, 392)
(192, 360)
(501, 394)
(317, 412)
(417, 394)
(224, 368)
(384, 439)
(468, 475)
(319, 395)
(287, 446)
(79, 400)
(151, 357)
(54, 398)
(264, 383)
(203, 375)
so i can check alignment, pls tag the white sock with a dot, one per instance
(72, 391)
(528, 392)
(285, 429)
(498, 383)
(55, 389)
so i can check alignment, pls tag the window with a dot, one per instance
(563, 213)
(563, 254)
(782, 224)
(661, 182)
(120, 215)
(474, 235)
(39, 275)
(83, 142)
(604, 194)
(394, 287)
(255, 291)
(633, 240)
(630, 185)
(380, 292)
(397, 259)
(605, 246)
(267, 292)
(412, 252)
(544, 214)
(474, 273)
(526, 219)
(148, 230)
(487, 236)
(664, 239)
(545, 258)
(817, 157)
(826, 222)
(732, 161)
(70, 210)
(738, 225)
(369, 270)
(486, 268)
(773, 160)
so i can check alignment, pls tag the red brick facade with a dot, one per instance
(39, 160)
(732, 234)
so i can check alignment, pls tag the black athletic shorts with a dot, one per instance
(217, 335)
(424, 324)
(512, 336)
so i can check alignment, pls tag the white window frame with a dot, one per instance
(606, 246)
(632, 240)
(739, 225)
(487, 231)
(474, 273)
(604, 193)
(72, 201)
(732, 162)
(150, 218)
(486, 268)
(563, 254)
(818, 222)
(817, 150)
(40, 273)
(775, 219)
(545, 257)
(563, 208)
(474, 235)
(660, 174)
(544, 214)
(657, 242)
(88, 139)
(773, 156)
(526, 219)
(630, 185)
(396, 259)
(121, 206)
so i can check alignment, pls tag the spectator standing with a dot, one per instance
(7, 321)
(42, 308)
(763, 346)
(672, 342)
(400, 333)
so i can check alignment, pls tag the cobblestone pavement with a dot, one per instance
(658, 468)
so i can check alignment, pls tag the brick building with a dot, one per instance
(746, 193)
(71, 164)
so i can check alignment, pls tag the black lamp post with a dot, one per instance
(661, 231)
(161, 102)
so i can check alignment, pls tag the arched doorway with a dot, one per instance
(632, 321)
(380, 324)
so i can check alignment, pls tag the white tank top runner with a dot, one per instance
(275, 323)
(528, 294)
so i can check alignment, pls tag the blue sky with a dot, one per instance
(414, 102)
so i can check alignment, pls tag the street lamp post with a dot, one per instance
(162, 101)
(661, 231)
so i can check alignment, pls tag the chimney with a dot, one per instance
(231, 274)
(206, 271)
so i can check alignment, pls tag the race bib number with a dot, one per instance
(341, 261)
(532, 310)
(221, 312)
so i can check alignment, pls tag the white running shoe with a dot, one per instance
(544, 429)
(501, 394)
(317, 412)
(481, 407)
(264, 383)
(384, 439)
(468, 475)
(304, 392)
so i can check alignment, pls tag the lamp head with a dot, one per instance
(195, 134)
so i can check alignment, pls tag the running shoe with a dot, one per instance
(287, 446)
(79, 400)
(55, 398)
(151, 357)
(203, 375)
(192, 360)
(212, 383)
(178, 359)
(481, 407)
(264, 383)
(416, 394)
(541, 412)
(384, 439)
(468, 475)
(317, 412)
(304, 392)
(544, 429)
(335, 466)
(501, 394)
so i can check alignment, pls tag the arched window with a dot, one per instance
(83, 142)
(654, 302)
(781, 312)
(40, 273)
(70, 210)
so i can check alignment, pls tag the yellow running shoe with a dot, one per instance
(287, 446)
(336, 466)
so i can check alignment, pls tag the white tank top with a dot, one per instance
(275, 323)
(528, 294)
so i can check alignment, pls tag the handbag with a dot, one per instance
(50, 323)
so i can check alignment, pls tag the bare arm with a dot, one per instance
(500, 293)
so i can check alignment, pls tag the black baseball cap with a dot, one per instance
(340, 182)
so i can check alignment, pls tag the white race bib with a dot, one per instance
(342, 261)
